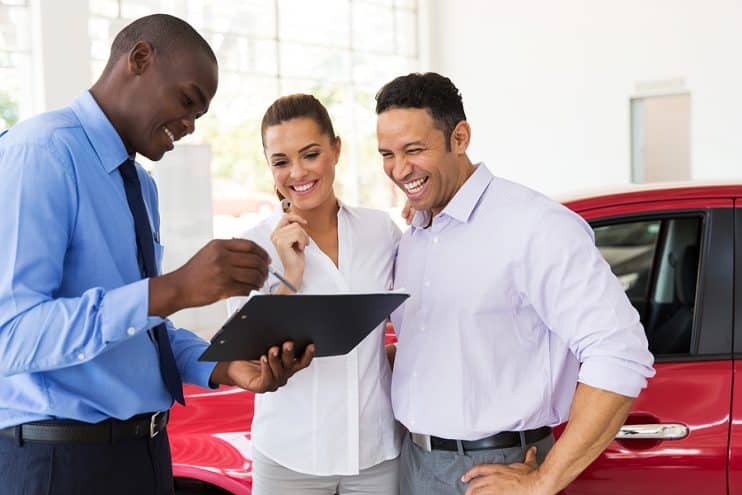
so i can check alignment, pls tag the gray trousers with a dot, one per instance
(439, 472)
(270, 478)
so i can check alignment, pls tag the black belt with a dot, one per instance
(502, 440)
(70, 431)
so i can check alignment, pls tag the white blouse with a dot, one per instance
(335, 417)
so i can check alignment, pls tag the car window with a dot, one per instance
(656, 261)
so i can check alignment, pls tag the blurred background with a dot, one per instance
(562, 95)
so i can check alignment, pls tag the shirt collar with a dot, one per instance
(345, 209)
(102, 136)
(464, 201)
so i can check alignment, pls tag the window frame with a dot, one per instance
(711, 335)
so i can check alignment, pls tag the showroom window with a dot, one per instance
(657, 263)
(15, 62)
(342, 51)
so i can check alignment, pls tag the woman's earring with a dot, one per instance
(285, 205)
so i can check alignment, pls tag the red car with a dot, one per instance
(673, 249)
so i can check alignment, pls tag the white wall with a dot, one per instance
(546, 84)
(61, 52)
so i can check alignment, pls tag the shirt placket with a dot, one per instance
(340, 276)
(423, 322)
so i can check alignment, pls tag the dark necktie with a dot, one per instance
(146, 248)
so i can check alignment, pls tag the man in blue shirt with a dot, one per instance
(89, 364)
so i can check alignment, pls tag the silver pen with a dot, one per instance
(282, 279)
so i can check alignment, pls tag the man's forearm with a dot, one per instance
(595, 418)
(163, 296)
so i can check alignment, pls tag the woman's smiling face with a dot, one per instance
(302, 160)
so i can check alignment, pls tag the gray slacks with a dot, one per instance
(270, 478)
(439, 472)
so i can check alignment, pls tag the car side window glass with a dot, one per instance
(656, 261)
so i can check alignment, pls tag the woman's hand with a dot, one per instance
(408, 213)
(290, 239)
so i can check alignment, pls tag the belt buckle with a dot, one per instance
(422, 441)
(153, 431)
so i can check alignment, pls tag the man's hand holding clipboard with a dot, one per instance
(333, 323)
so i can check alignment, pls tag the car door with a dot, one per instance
(675, 262)
(735, 437)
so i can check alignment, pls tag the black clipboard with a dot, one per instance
(334, 323)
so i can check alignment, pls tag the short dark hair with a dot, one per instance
(164, 32)
(429, 91)
(297, 106)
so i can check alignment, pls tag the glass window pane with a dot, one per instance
(96, 69)
(325, 23)
(374, 188)
(407, 4)
(302, 61)
(373, 28)
(406, 33)
(15, 88)
(669, 318)
(133, 9)
(9, 111)
(232, 127)
(256, 18)
(107, 8)
(100, 40)
(241, 96)
(102, 31)
(379, 69)
(14, 29)
(242, 54)
(629, 250)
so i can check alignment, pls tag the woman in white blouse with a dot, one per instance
(331, 428)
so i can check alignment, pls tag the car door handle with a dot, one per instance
(661, 431)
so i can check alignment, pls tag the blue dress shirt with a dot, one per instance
(73, 307)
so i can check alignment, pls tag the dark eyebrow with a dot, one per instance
(413, 143)
(300, 151)
(307, 147)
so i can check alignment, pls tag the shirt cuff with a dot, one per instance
(124, 312)
(199, 372)
(602, 373)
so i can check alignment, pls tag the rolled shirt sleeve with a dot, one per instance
(572, 288)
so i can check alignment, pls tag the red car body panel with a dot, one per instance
(735, 437)
(693, 465)
(210, 438)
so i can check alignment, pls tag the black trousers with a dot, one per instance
(140, 466)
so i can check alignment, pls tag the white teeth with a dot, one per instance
(169, 134)
(304, 187)
(415, 185)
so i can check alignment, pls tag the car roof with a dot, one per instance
(640, 193)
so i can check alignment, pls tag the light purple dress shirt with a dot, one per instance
(511, 305)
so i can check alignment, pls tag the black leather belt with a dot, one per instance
(502, 440)
(107, 431)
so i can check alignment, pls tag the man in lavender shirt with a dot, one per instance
(515, 322)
